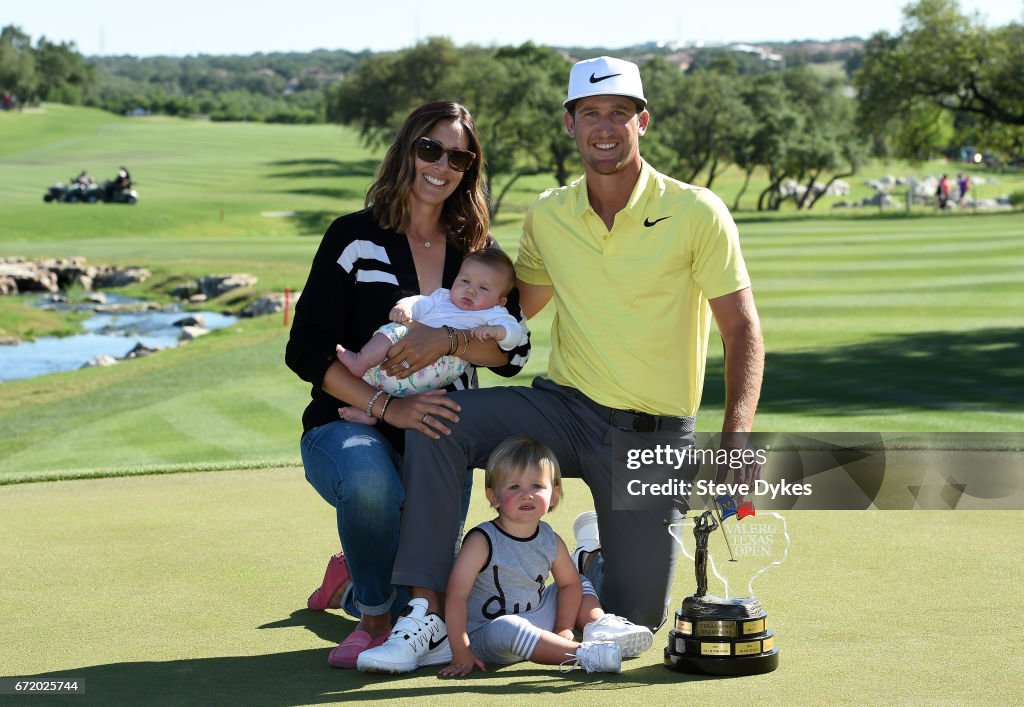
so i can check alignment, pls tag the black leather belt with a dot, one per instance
(642, 421)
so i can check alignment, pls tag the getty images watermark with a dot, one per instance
(668, 457)
(835, 471)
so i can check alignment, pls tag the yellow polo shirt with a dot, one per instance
(632, 320)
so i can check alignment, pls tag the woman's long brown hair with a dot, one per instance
(464, 216)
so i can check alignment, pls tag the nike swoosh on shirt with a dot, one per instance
(649, 223)
(594, 78)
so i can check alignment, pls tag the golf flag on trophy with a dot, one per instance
(726, 507)
(745, 509)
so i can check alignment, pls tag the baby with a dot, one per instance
(475, 304)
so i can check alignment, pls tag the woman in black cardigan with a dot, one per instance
(424, 211)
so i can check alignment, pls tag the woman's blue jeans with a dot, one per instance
(355, 469)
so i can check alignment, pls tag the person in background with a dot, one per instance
(942, 192)
(963, 183)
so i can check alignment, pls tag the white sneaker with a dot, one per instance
(595, 657)
(588, 539)
(417, 639)
(631, 639)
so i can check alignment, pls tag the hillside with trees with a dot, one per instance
(806, 113)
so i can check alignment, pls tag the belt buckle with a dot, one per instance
(645, 423)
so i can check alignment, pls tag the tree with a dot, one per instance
(378, 94)
(64, 74)
(17, 63)
(695, 121)
(941, 62)
(515, 94)
(765, 141)
(512, 92)
(805, 130)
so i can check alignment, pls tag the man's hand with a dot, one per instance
(740, 462)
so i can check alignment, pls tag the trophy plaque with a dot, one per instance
(727, 635)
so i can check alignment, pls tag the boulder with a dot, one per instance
(195, 320)
(270, 304)
(217, 285)
(191, 332)
(139, 351)
(117, 276)
(70, 271)
(183, 291)
(103, 360)
(55, 274)
(879, 199)
(838, 188)
(28, 276)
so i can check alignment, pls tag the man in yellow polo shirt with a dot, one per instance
(637, 264)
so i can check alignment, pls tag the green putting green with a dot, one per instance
(191, 588)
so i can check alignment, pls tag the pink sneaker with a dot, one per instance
(336, 577)
(345, 654)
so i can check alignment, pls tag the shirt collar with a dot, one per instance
(637, 200)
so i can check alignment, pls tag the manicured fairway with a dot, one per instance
(870, 325)
(191, 588)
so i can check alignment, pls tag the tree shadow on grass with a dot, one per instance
(313, 222)
(331, 193)
(315, 167)
(303, 677)
(867, 213)
(938, 370)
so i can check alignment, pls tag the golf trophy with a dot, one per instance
(728, 634)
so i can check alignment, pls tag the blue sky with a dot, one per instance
(181, 27)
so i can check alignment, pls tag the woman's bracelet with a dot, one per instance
(384, 408)
(369, 406)
(465, 338)
(452, 343)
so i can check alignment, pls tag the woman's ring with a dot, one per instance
(405, 364)
(424, 418)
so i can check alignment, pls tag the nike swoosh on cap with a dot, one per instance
(594, 78)
(649, 223)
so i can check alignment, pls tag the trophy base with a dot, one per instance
(730, 667)
(715, 636)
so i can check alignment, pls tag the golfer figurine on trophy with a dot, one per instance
(721, 635)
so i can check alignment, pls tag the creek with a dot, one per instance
(115, 328)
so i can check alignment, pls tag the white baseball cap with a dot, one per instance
(605, 76)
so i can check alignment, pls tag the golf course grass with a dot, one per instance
(191, 588)
(876, 323)
(167, 584)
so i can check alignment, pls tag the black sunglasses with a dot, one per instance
(430, 150)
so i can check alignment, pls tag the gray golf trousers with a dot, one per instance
(638, 552)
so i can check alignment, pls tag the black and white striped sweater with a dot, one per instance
(358, 274)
